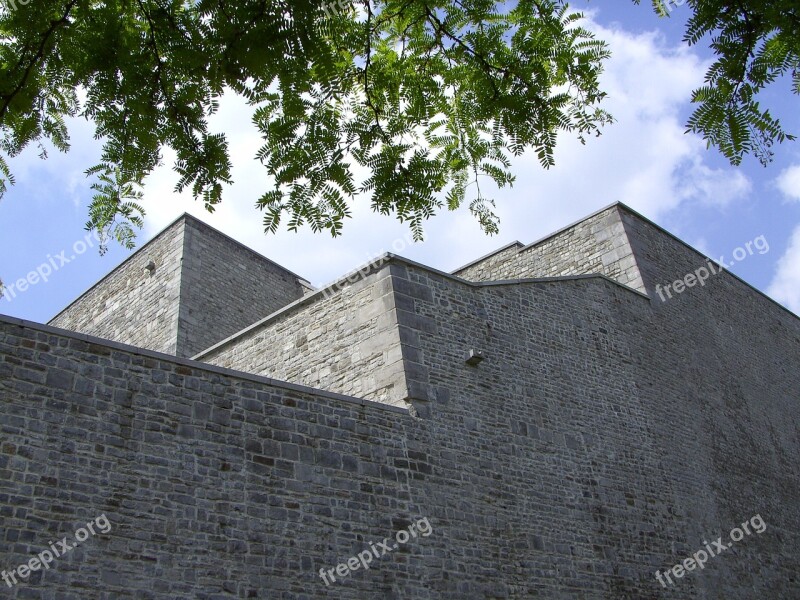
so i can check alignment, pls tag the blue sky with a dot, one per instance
(644, 160)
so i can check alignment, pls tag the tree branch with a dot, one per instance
(36, 58)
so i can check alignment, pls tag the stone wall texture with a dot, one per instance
(649, 426)
(341, 340)
(606, 435)
(205, 287)
(597, 244)
(226, 287)
(131, 305)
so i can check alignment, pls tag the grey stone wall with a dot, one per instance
(597, 244)
(606, 435)
(661, 424)
(205, 287)
(226, 287)
(342, 340)
(132, 305)
(724, 391)
(554, 407)
(574, 461)
(216, 485)
(485, 268)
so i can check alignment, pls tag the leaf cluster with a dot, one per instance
(408, 103)
(756, 43)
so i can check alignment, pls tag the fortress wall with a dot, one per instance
(205, 287)
(723, 362)
(221, 485)
(567, 472)
(570, 463)
(132, 306)
(215, 484)
(343, 340)
(635, 436)
(595, 245)
(485, 269)
(605, 436)
(226, 287)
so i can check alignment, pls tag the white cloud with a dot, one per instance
(713, 187)
(645, 160)
(789, 182)
(785, 285)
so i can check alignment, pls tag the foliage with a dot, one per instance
(409, 102)
(756, 43)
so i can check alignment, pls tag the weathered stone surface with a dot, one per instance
(597, 244)
(205, 287)
(605, 435)
(344, 341)
(131, 305)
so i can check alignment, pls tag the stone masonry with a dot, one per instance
(596, 244)
(605, 435)
(204, 286)
(346, 342)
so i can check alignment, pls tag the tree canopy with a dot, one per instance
(410, 102)
(755, 42)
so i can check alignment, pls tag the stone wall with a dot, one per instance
(605, 436)
(576, 460)
(723, 395)
(597, 244)
(661, 424)
(342, 339)
(226, 287)
(484, 268)
(131, 304)
(204, 288)
(567, 487)
(215, 484)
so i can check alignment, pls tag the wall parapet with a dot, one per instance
(194, 364)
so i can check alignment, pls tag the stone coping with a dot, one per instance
(49, 329)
